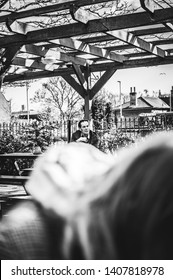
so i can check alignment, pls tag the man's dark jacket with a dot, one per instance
(93, 139)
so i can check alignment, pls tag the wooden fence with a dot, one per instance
(63, 130)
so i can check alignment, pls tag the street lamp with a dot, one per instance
(120, 98)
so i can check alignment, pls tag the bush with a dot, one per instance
(113, 139)
(23, 141)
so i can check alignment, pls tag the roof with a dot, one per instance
(31, 112)
(155, 102)
(145, 103)
(70, 37)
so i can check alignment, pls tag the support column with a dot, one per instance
(1, 81)
(86, 106)
(87, 93)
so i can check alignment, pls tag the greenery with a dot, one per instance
(27, 139)
(113, 139)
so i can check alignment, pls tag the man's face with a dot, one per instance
(85, 127)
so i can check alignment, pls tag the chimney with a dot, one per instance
(133, 97)
(23, 107)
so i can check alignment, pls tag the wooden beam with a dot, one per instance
(169, 25)
(140, 32)
(153, 42)
(101, 82)
(81, 15)
(135, 41)
(93, 26)
(62, 5)
(135, 63)
(130, 38)
(89, 49)
(148, 5)
(8, 56)
(19, 27)
(33, 64)
(80, 76)
(72, 82)
(56, 55)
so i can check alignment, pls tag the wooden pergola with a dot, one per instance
(86, 45)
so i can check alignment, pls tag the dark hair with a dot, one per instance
(81, 121)
(137, 206)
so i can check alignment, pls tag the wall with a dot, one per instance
(5, 109)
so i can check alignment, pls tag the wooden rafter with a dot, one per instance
(33, 64)
(62, 5)
(99, 25)
(89, 49)
(131, 39)
(54, 54)
(127, 46)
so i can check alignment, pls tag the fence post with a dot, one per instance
(68, 130)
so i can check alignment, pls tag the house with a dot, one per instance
(5, 109)
(22, 116)
(167, 98)
(141, 105)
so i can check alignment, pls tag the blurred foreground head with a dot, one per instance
(66, 174)
(139, 201)
(121, 210)
(64, 182)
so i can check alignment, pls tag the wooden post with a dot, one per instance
(87, 93)
(1, 81)
(68, 131)
(86, 106)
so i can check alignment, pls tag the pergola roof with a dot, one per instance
(80, 41)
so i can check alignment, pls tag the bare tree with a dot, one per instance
(58, 100)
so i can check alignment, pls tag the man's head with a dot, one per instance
(84, 126)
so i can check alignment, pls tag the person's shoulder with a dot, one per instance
(76, 135)
(23, 227)
(23, 213)
(77, 132)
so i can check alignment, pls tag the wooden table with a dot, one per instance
(19, 180)
(19, 155)
(23, 174)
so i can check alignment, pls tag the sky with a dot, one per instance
(151, 78)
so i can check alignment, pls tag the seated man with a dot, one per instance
(84, 134)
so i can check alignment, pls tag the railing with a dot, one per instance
(57, 130)
(63, 130)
